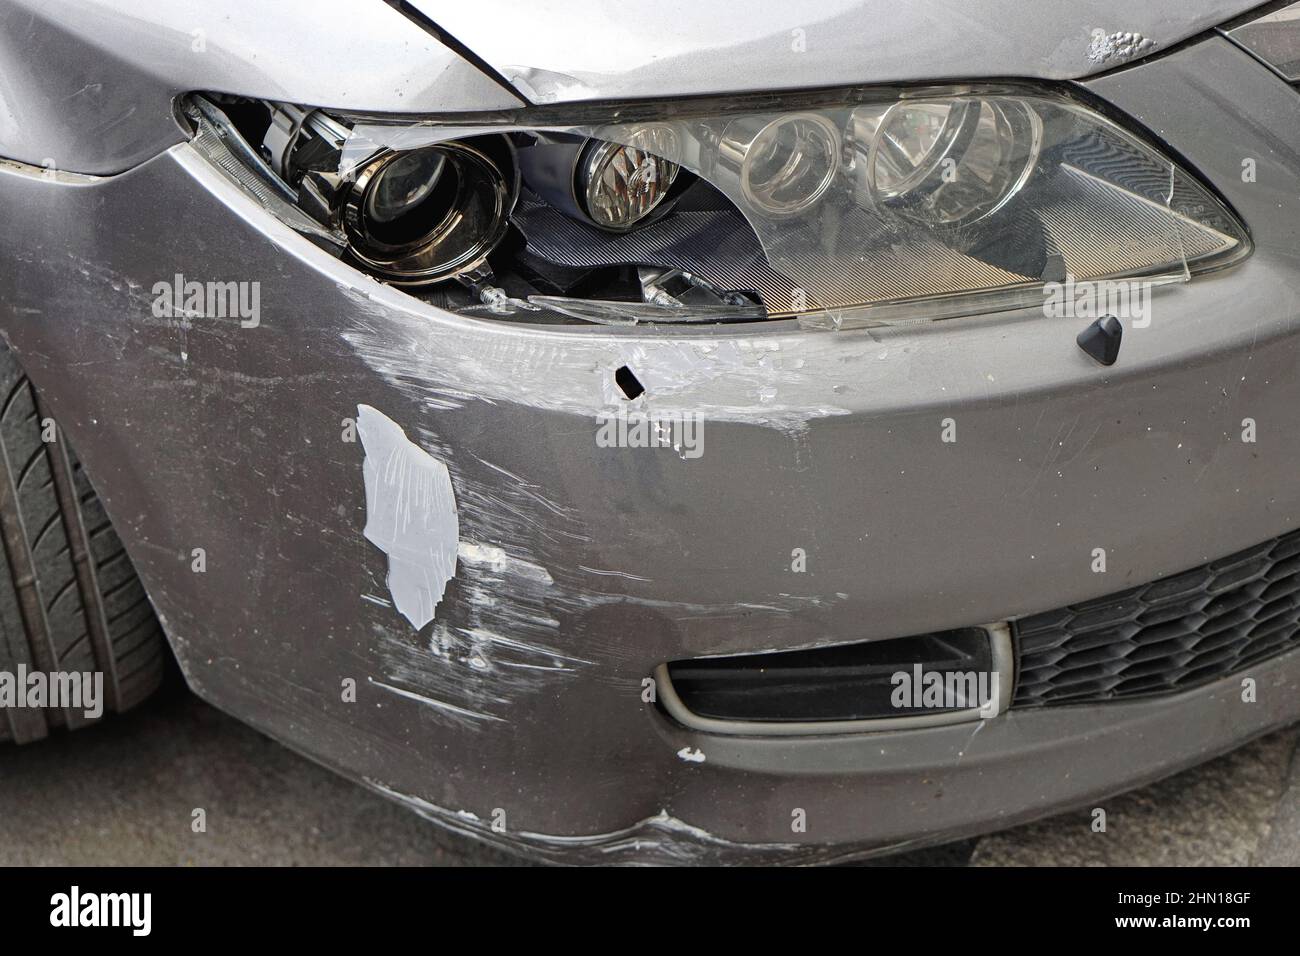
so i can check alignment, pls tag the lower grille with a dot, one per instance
(925, 680)
(1169, 635)
(839, 682)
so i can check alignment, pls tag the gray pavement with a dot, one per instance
(1228, 812)
(123, 793)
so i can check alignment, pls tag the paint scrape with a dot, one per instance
(496, 559)
(659, 839)
(410, 515)
(1118, 47)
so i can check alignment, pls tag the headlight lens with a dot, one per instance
(427, 214)
(781, 166)
(882, 208)
(403, 184)
(948, 161)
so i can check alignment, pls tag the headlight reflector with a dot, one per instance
(622, 184)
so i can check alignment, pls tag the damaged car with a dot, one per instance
(661, 436)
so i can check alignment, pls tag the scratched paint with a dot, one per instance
(661, 838)
(760, 381)
(485, 649)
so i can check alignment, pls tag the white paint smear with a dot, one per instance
(410, 515)
(496, 559)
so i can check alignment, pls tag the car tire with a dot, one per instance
(70, 599)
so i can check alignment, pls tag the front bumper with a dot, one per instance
(582, 568)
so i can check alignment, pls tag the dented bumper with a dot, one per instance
(572, 570)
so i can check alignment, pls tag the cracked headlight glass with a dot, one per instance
(871, 207)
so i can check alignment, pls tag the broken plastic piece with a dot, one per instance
(674, 288)
(479, 281)
(608, 312)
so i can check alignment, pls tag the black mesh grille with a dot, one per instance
(1166, 636)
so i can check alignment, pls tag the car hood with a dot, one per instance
(565, 50)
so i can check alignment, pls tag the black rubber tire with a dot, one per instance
(70, 599)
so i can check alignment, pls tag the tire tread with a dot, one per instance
(69, 596)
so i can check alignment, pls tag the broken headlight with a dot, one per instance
(867, 208)
(423, 215)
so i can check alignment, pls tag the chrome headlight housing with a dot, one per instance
(425, 215)
(860, 208)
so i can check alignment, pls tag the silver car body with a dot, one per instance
(579, 573)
